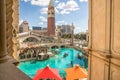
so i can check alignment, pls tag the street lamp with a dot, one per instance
(72, 34)
(59, 34)
(72, 39)
(65, 37)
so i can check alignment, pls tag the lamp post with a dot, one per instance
(65, 37)
(72, 41)
(72, 35)
(58, 34)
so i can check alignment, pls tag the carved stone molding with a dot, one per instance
(12, 21)
(98, 21)
(104, 38)
(15, 26)
(115, 74)
(9, 26)
(115, 27)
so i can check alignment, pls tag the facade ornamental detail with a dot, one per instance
(12, 21)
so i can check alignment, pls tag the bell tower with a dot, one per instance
(51, 19)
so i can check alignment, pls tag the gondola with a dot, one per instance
(79, 56)
(65, 55)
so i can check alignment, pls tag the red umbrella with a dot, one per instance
(47, 73)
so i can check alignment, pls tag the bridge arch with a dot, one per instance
(62, 46)
(31, 36)
(54, 46)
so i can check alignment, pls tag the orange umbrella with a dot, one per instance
(75, 73)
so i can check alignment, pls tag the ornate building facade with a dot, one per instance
(51, 19)
(24, 27)
(8, 37)
(12, 21)
(104, 40)
(66, 29)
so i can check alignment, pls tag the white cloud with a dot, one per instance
(44, 10)
(67, 7)
(56, 10)
(61, 5)
(20, 22)
(26, 0)
(56, 1)
(43, 19)
(40, 2)
(65, 12)
(71, 5)
(61, 22)
(83, 0)
(40, 23)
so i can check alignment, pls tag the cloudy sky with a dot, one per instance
(67, 12)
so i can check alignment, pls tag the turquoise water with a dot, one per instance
(55, 62)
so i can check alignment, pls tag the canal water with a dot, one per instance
(60, 61)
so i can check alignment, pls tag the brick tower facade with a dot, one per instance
(51, 19)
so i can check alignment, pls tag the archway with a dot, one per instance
(54, 47)
(62, 46)
(31, 39)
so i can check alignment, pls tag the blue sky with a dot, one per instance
(67, 12)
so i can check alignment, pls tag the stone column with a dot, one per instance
(3, 51)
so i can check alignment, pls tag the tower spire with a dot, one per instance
(51, 3)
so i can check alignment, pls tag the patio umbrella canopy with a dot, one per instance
(75, 73)
(47, 73)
